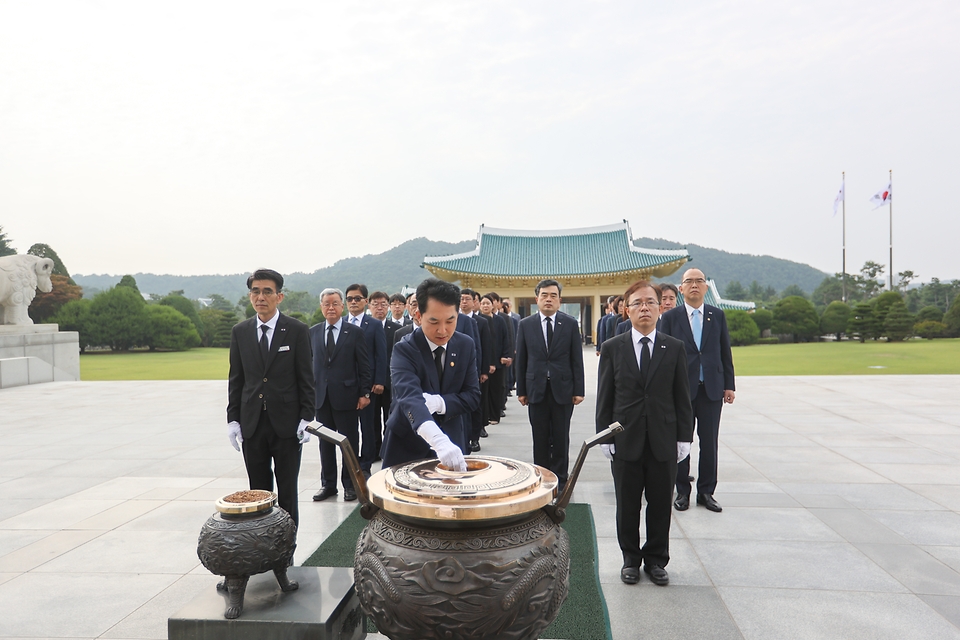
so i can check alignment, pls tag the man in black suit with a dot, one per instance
(703, 330)
(341, 368)
(380, 310)
(377, 352)
(270, 391)
(435, 383)
(643, 385)
(397, 307)
(407, 329)
(469, 306)
(550, 377)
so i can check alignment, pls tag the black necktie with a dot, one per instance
(644, 358)
(438, 360)
(549, 333)
(264, 345)
(330, 343)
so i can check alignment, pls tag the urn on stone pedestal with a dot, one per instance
(247, 535)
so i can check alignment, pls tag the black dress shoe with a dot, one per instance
(474, 446)
(324, 493)
(658, 575)
(706, 499)
(682, 503)
(503, 413)
(483, 432)
(349, 495)
(630, 575)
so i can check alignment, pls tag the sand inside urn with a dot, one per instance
(247, 496)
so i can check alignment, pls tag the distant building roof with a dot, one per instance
(713, 298)
(565, 253)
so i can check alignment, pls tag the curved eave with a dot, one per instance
(659, 270)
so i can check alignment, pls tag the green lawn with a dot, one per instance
(848, 358)
(819, 358)
(195, 364)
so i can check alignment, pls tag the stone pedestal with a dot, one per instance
(34, 353)
(325, 607)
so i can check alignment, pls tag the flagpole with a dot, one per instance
(843, 188)
(891, 229)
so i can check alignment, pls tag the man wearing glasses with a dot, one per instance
(703, 330)
(642, 383)
(377, 351)
(270, 395)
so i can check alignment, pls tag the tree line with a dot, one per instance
(930, 310)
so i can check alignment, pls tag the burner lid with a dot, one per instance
(490, 488)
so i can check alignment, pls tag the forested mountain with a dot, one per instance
(391, 270)
(724, 266)
(388, 271)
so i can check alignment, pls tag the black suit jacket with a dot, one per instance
(390, 328)
(714, 353)
(486, 342)
(415, 373)
(346, 376)
(563, 361)
(655, 407)
(284, 382)
(400, 333)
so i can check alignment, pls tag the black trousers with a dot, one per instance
(264, 447)
(631, 479)
(495, 394)
(344, 422)
(550, 423)
(707, 414)
(369, 427)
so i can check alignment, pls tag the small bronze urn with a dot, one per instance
(471, 555)
(247, 535)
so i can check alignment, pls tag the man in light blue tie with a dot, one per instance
(703, 329)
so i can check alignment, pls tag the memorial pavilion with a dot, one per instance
(590, 263)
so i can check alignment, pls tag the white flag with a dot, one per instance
(838, 199)
(882, 197)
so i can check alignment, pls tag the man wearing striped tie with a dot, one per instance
(703, 330)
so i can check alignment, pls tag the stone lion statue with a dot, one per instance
(20, 277)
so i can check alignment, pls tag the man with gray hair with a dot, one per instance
(341, 368)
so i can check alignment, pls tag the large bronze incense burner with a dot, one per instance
(247, 535)
(473, 555)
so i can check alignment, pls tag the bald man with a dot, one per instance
(703, 330)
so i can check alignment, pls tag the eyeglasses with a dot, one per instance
(355, 298)
(332, 305)
(644, 303)
(266, 292)
(694, 281)
(378, 303)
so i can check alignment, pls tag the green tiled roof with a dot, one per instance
(568, 252)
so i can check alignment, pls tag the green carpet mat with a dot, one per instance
(582, 617)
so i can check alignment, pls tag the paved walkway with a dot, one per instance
(841, 516)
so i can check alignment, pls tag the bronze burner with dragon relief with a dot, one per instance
(474, 555)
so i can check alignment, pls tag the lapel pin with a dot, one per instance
(451, 364)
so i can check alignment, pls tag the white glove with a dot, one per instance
(302, 435)
(234, 435)
(608, 450)
(683, 450)
(449, 453)
(435, 403)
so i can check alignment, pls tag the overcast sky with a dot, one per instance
(215, 137)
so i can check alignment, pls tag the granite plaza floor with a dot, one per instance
(841, 515)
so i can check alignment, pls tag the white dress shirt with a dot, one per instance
(271, 326)
(636, 336)
(690, 315)
(336, 330)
